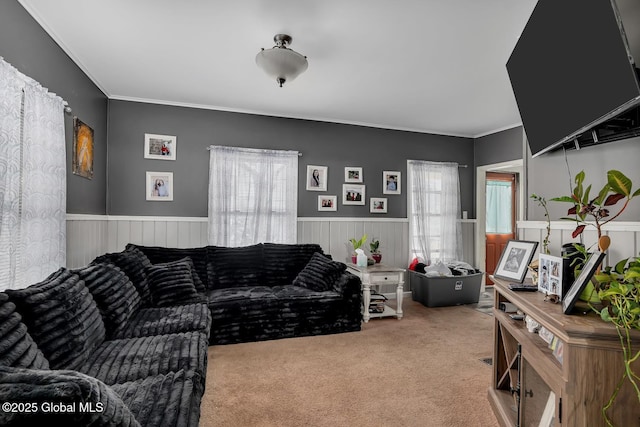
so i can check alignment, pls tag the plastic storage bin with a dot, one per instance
(443, 291)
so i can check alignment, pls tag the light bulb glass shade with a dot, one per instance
(281, 63)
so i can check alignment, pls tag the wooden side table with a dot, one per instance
(376, 275)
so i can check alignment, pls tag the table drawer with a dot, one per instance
(381, 278)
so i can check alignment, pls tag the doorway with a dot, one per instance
(500, 220)
(511, 167)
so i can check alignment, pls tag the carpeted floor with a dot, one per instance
(424, 370)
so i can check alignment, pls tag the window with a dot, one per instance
(253, 196)
(434, 210)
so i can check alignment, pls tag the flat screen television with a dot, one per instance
(573, 73)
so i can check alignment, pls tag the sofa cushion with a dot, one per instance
(113, 292)
(158, 255)
(17, 348)
(282, 262)
(133, 263)
(320, 273)
(62, 318)
(167, 320)
(197, 282)
(164, 400)
(69, 389)
(172, 284)
(131, 359)
(234, 267)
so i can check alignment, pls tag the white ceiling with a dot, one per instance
(422, 65)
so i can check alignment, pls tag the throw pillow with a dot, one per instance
(134, 264)
(113, 292)
(200, 288)
(320, 273)
(172, 284)
(17, 348)
(62, 318)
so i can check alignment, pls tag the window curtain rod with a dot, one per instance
(209, 149)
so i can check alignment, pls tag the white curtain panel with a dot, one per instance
(498, 207)
(32, 180)
(434, 210)
(253, 196)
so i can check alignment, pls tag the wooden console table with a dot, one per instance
(567, 386)
(376, 275)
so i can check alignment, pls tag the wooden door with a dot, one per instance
(502, 229)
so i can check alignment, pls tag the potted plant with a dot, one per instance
(620, 293)
(534, 266)
(374, 246)
(357, 244)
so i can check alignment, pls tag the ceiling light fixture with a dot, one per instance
(281, 62)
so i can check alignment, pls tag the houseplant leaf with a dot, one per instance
(619, 182)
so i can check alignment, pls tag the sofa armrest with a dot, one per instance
(60, 397)
(348, 285)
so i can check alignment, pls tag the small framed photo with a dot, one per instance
(160, 186)
(317, 178)
(378, 205)
(353, 174)
(82, 158)
(550, 274)
(391, 182)
(589, 267)
(327, 203)
(353, 194)
(159, 147)
(514, 260)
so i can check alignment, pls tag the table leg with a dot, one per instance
(366, 296)
(399, 295)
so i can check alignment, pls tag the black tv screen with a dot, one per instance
(572, 68)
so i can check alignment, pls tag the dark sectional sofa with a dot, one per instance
(123, 341)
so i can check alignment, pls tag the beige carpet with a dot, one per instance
(423, 370)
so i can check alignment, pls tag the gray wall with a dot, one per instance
(498, 147)
(325, 144)
(550, 175)
(26, 46)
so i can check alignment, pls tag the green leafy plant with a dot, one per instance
(357, 244)
(542, 202)
(374, 246)
(620, 291)
(598, 209)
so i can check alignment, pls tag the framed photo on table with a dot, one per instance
(588, 269)
(550, 274)
(514, 260)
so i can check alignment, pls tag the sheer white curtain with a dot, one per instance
(434, 211)
(32, 180)
(253, 196)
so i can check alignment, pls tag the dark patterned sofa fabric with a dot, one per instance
(17, 348)
(172, 284)
(67, 389)
(134, 264)
(152, 321)
(241, 290)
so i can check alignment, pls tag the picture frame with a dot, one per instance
(378, 205)
(327, 203)
(159, 186)
(160, 147)
(353, 174)
(515, 258)
(353, 194)
(317, 178)
(588, 269)
(391, 182)
(83, 148)
(550, 274)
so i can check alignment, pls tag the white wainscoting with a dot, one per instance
(625, 237)
(91, 235)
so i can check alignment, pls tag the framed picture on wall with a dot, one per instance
(353, 174)
(159, 186)
(327, 203)
(353, 194)
(82, 157)
(378, 205)
(391, 182)
(317, 178)
(160, 147)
